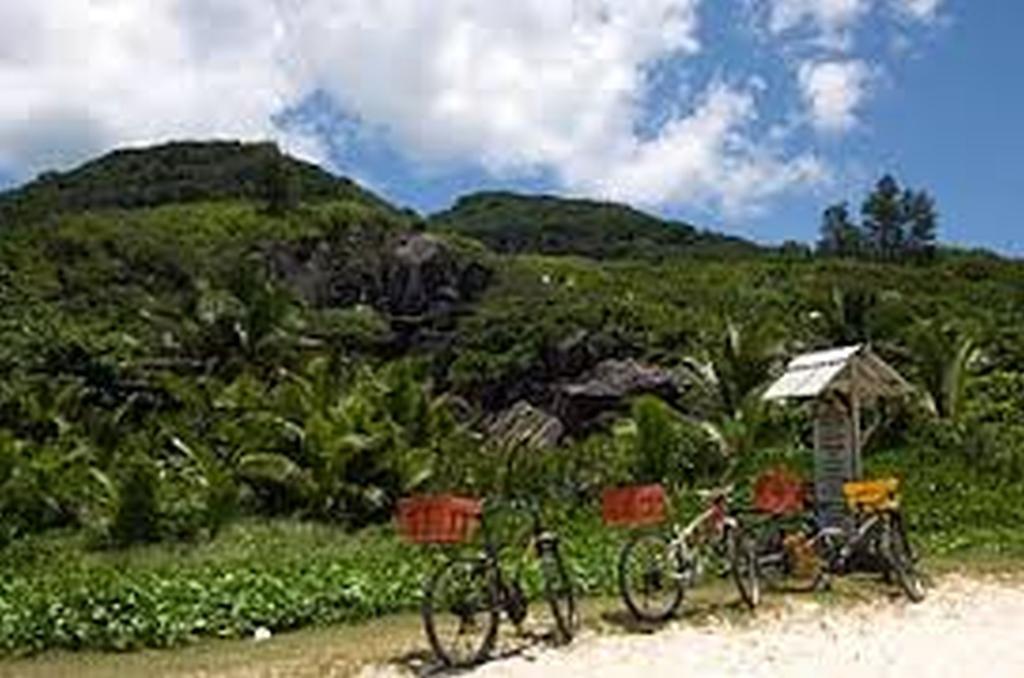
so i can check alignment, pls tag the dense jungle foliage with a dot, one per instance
(193, 367)
(511, 223)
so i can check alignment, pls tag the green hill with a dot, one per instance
(174, 173)
(513, 223)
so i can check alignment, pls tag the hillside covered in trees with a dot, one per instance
(198, 334)
(182, 172)
(512, 223)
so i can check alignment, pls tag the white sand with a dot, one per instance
(967, 627)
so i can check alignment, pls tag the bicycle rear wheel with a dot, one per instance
(742, 551)
(649, 578)
(787, 558)
(558, 589)
(460, 611)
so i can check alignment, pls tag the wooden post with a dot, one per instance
(858, 469)
(833, 459)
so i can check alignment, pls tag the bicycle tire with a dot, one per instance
(657, 576)
(900, 559)
(558, 589)
(472, 604)
(778, 568)
(741, 547)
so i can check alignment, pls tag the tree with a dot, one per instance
(281, 185)
(919, 210)
(899, 223)
(884, 219)
(846, 316)
(839, 235)
(943, 354)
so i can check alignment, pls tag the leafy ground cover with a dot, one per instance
(286, 575)
(209, 387)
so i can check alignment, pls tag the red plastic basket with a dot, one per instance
(779, 492)
(633, 506)
(438, 519)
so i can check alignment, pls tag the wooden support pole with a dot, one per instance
(858, 469)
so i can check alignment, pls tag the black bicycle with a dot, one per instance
(873, 538)
(467, 596)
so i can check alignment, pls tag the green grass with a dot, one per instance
(57, 594)
(285, 575)
(281, 575)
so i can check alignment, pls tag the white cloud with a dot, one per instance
(557, 87)
(78, 77)
(540, 85)
(827, 14)
(833, 22)
(833, 91)
(702, 158)
(831, 19)
(925, 10)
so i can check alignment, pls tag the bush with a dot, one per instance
(136, 516)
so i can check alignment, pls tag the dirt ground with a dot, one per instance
(968, 625)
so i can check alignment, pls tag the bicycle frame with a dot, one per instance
(850, 540)
(536, 539)
(707, 528)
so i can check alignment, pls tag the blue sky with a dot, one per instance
(747, 116)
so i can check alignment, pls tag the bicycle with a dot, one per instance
(655, 569)
(873, 540)
(465, 598)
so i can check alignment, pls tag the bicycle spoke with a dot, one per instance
(459, 612)
(649, 579)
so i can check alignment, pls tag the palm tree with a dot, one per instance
(943, 355)
(740, 360)
(726, 384)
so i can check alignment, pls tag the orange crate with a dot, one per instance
(779, 492)
(633, 506)
(438, 519)
(872, 495)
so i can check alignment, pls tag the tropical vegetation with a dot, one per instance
(221, 368)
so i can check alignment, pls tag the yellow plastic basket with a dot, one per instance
(872, 495)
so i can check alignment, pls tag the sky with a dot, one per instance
(746, 116)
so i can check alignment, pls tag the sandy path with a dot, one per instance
(966, 627)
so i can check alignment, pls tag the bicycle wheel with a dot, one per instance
(460, 611)
(558, 590)
(742, 551)
(901, 531)
(787, 559)
(900, 560)
(649, 578)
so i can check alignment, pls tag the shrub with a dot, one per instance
(136, 516)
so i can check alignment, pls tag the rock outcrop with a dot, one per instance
(606, 388)
(524, 425)
(407, 274)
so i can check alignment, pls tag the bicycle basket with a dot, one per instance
(633, 506)
(872, 495)
(779, 492)
(438, 519)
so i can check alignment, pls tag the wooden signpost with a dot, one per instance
(841, 382)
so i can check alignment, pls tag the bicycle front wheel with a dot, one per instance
(900, 559)
(649, 578)
(460, 611)
(560, 594)
(742, 551)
